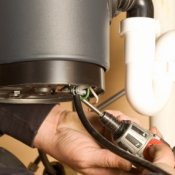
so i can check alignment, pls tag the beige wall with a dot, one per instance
(115, 81)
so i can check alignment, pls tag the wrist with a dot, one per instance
(46, 132)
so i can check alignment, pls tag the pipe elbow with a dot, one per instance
(148, 95)
(141, 8)
(148, 83)
(134, 8)
(164, 49)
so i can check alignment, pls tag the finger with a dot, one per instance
(173, 150)
(154, 130)
(106, 159)
(95, 121)
(162, 154)
(120, 116)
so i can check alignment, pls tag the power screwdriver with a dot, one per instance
(127, 134)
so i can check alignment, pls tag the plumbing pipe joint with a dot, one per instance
(148, 64)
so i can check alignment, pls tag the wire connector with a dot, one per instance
(79, 90)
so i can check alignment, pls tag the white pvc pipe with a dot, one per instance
(164, 11)
(148, 84)
(165, 54)
(165, 119)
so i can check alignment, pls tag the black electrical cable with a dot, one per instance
(109, 145)
(33, 166)
(49, 168)
(37, 160)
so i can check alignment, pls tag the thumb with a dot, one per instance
(161, 153)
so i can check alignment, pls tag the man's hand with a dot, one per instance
(62, 136)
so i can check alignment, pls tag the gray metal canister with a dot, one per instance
(46, 43)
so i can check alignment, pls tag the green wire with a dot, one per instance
(86, 96)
